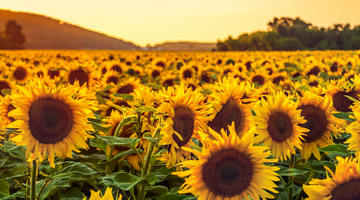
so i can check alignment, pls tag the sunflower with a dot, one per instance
(229, 168)
(127, 86)
(277, 125)
(6, 84)
(343, 184)
(5, 108)
(107, 196)
(227, 107)
(182, 117)
(320, 121)
(111, 77)
(341, 88)
(187, 72)
(20, 72)
(113, 121)
(259, 77)
(49, 120)
(85, 75)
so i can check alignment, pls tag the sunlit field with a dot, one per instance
(179, 125)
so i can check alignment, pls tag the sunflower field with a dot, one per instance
(131, 125)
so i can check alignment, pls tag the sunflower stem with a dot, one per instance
(291, 178)
(33, 180)
(310, 177)
(146, 165)
(116, 134)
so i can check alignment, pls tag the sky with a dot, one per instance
(144, 22)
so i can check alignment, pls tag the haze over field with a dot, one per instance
(155, 22)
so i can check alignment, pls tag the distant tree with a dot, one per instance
(295, 34)
(12, 37)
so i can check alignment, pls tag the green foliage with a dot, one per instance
(288, 34)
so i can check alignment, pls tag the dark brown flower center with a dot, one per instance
(280, 127)
(53, 73)
(116, 68)
(342, 103)
(205, 78)
(314, 84)
(20, 73)
(112, 79)
(126, 89)
(3, 85)
(9, 108)
(168, 82)
(334, 67)
(277, 79)
(50, 120)
(184, 120)
(103, 70)
(314, 71)
(316, 122)
(155, 73)
(192, 86)
(187, 73)
(79, 75)
(230, 112)
(349, 190)
(160, 64)
(258, 79)
(228, 173)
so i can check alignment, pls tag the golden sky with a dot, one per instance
(155, 21)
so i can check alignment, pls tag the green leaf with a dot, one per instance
(4, 187)
(149, 137)
(345, 116)
(74, 171)
(99, 127)
(284, 171)
(19, 194)
(125, 181)
(336, 148)
(118, 156)
(96, 142)
(152, 85)
(157, 189)
(52, 187)
(6, 91)
(145, 109)
(119, 141)
(108, 180)
(107, 88)
(14, 150)
(318, 166)
(72, 194)
(289, 185)
(124, 96)
(164, 173)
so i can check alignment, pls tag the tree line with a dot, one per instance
(12, 37)
(295, 34)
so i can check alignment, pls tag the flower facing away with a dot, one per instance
(277, 125)
(229, 168)
(344, 184)
(49, 120)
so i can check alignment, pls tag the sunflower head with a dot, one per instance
(277, 125)
(229, 168)
(343, 184)
(49, 120)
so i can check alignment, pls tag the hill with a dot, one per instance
(47, 33)
(183, 46)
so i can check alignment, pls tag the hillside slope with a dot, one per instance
(46, 33)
